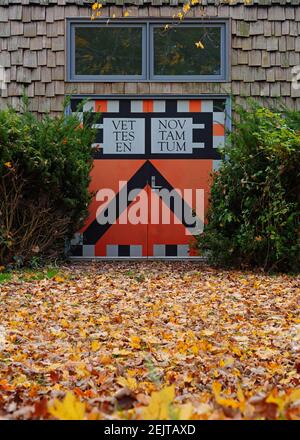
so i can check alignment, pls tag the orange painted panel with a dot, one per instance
(218, 130)
(147, 148)
(148, 105)
(195, 105)
(109, 174)
(101, 106)
(186, 173)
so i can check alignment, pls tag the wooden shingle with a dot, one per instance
(265, 45)
(29, 59)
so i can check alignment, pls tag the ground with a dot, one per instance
(149, 340)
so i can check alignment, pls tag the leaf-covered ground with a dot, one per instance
(149, 340)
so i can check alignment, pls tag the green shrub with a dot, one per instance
(254, 213)
(44, 177)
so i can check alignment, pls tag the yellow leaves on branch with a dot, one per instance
(181, 14)
(186, 8)
(70, 408)
(97, 13)
(96, 6)
(199, 45)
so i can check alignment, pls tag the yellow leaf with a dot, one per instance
(121, 352)
(82, 333)
(295, 395)
(105, 359)
(227, 362)
(64, 323)
(195, 349)
(186, 8)
(283, 400)
(208, 332)
(95, 345)
(231, 403)
(126, 14)
(241, 398)
(159, 406)
(216, 388)
(70, 408)
(199, 45)
(240, 394)
(279, 401)
(185, 412)
(132, 372)
(129, 383)
(135, 342)
(82, 371)
(236, 351)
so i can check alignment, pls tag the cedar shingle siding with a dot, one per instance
(265, 45)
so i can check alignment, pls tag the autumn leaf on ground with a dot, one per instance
(129, 383)
(95, 345)
(228, 402)
(149, 339)
(282, 400)
(70, 408)
(160, 403)
(135, 342)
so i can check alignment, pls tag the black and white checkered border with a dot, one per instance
(171, 250)
(78, 249)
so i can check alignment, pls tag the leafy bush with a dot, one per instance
(44, 178)
(254, 213)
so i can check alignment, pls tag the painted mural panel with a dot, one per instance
(152, 164)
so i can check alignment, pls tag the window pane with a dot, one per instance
(176, 53)
(108, 51)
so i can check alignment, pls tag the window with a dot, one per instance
(147, 51)
(175, 53)
(107, 51)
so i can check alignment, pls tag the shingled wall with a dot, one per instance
(265, 46)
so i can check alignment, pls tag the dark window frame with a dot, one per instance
(147, 51)
(93, 78)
